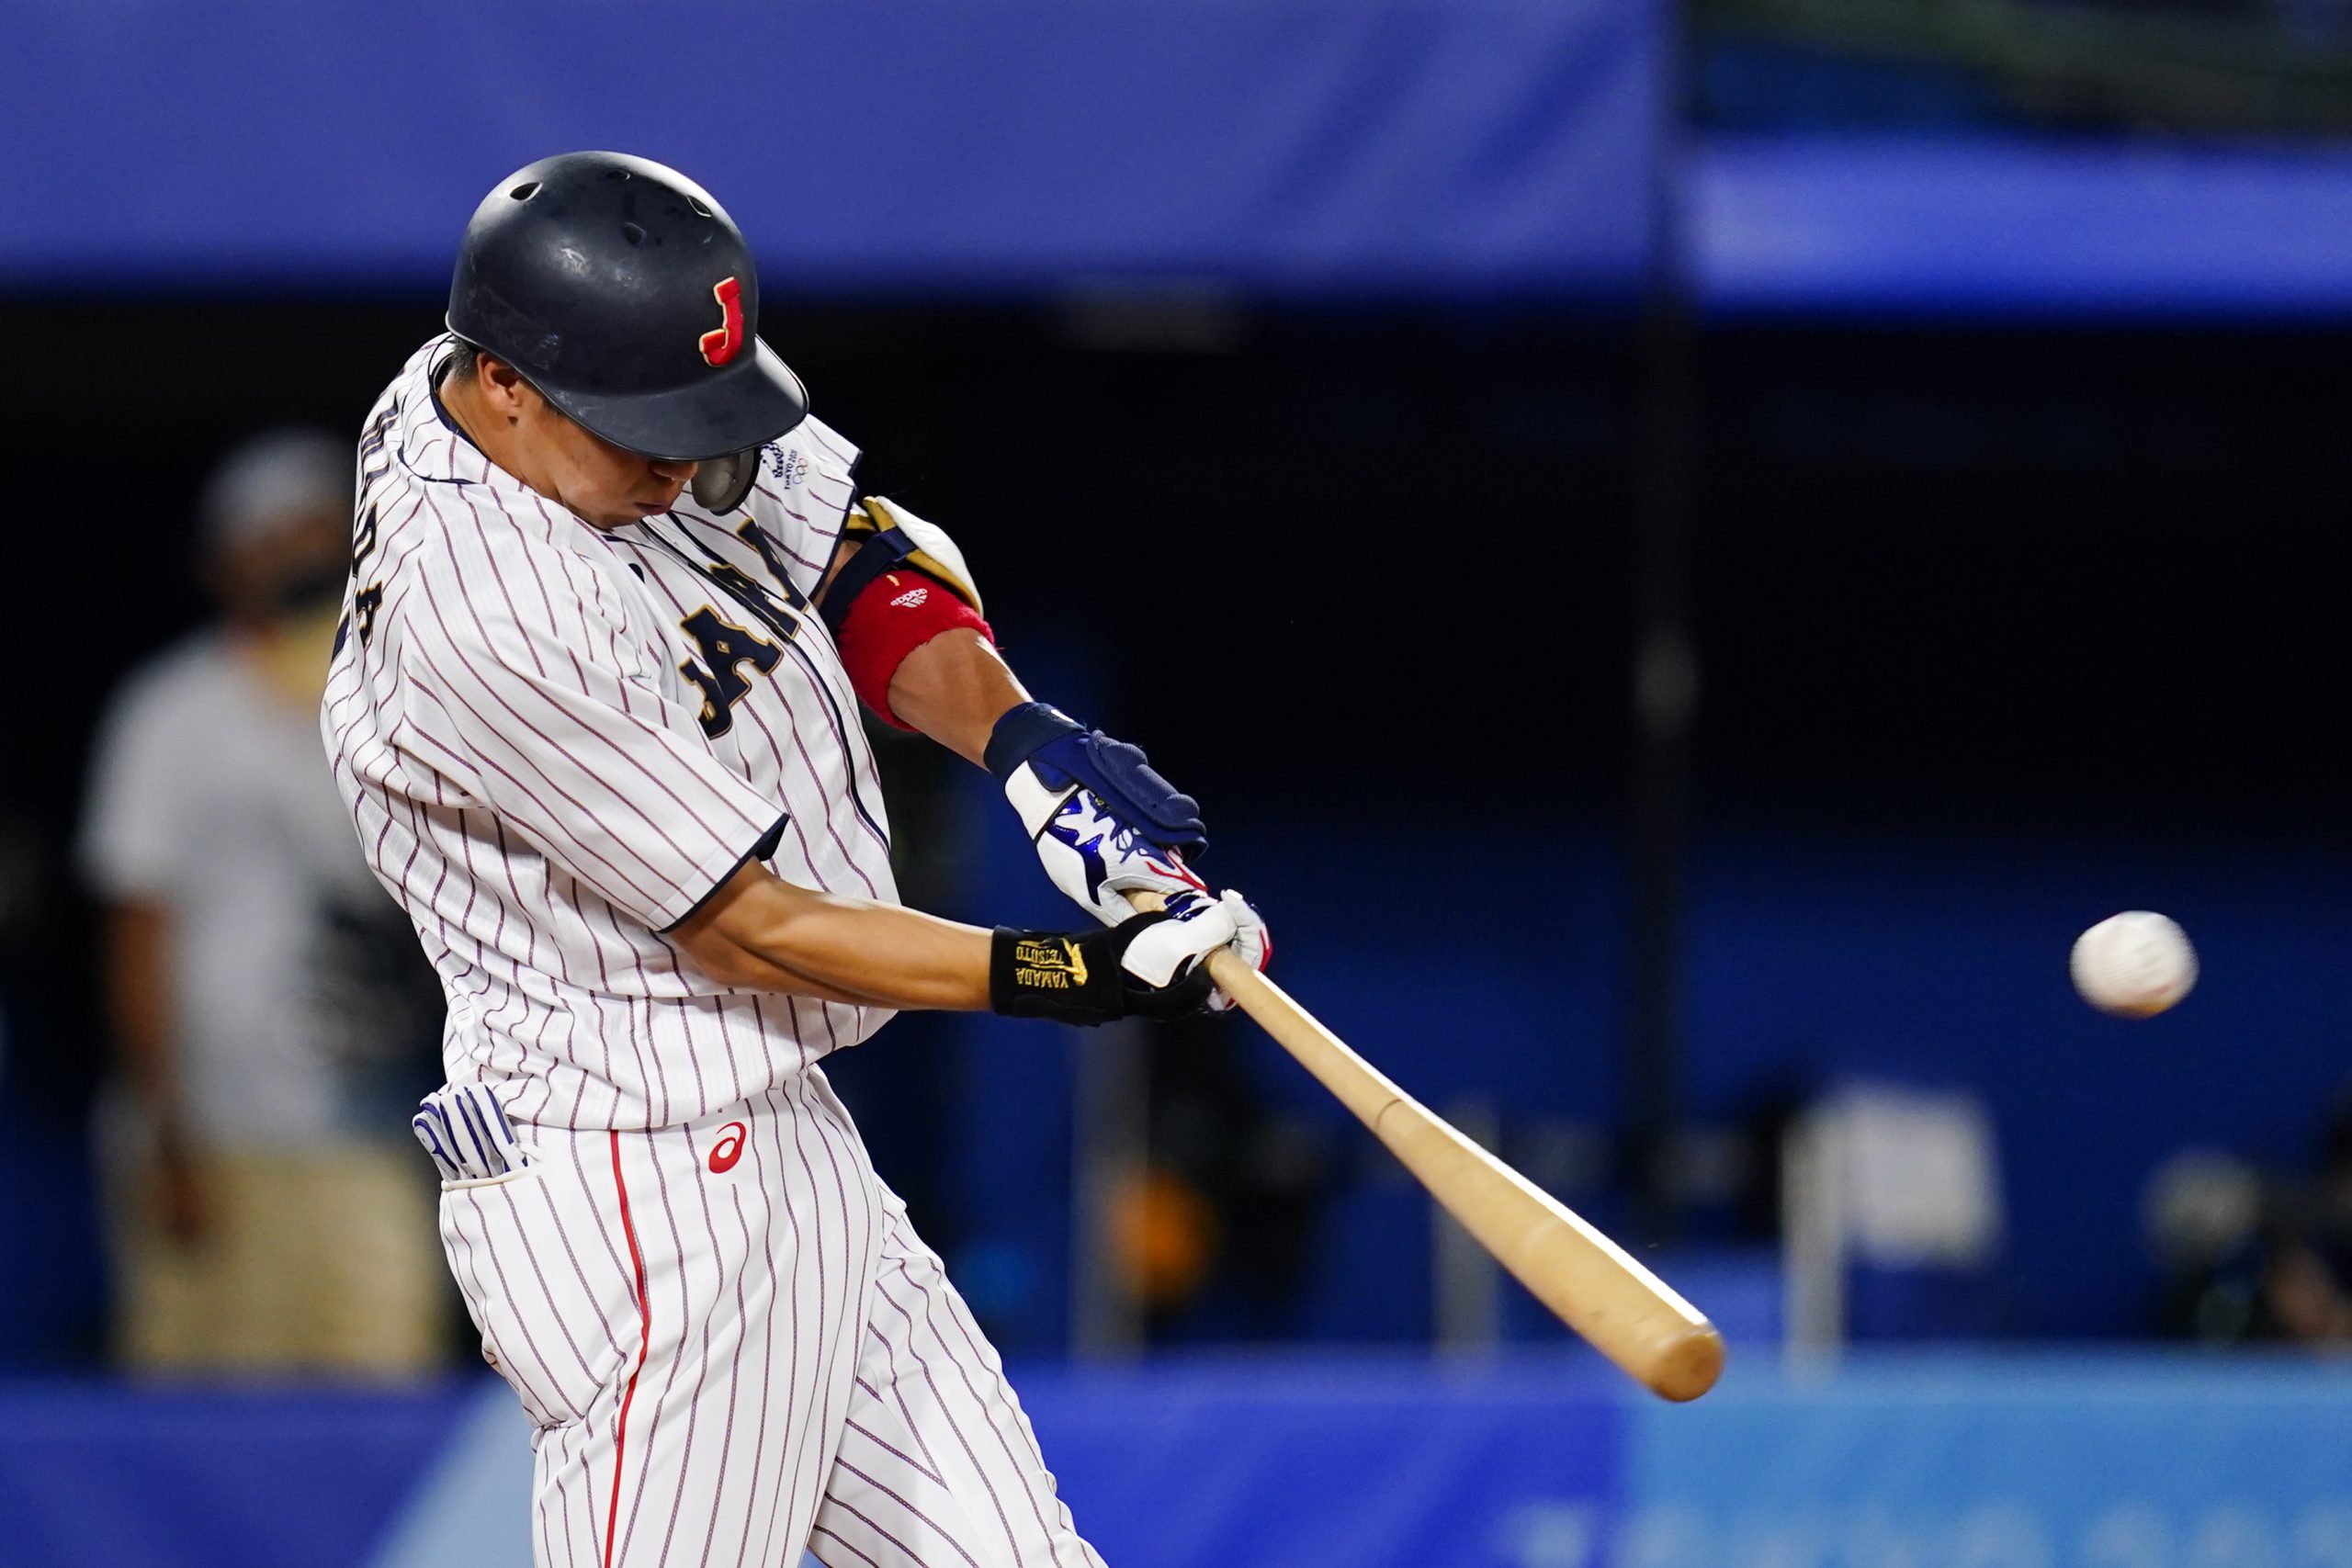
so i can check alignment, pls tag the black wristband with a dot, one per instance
(1079, 978)
(1071, 978)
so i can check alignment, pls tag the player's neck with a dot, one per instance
(496, 441)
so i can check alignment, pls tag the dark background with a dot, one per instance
(1943, 573)
(1363, 575)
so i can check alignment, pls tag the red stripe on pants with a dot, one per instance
(645, 1333)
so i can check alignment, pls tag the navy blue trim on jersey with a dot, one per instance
(759, 852)
(433, 393)
(441, 410)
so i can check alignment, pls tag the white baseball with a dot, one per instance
(2133, 964)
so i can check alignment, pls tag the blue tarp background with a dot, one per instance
(1426, 149)
(1910, 226)
(1324, 145)
(194, 1479)
(2130, 1463)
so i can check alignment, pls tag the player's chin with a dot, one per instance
(617, 514)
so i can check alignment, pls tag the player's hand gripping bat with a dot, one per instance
(1628, 1314)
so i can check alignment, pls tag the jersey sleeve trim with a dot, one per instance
(760, 850)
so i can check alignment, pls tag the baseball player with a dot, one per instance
(614, 598)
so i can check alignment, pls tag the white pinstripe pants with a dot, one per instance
(733, 1345)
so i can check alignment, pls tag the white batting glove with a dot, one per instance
(1089, 852)
(1197, 925)
(1251, 940)
(463, 1128)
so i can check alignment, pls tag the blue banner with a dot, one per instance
(192, 1478)
(1356, 1464)
(1323, 145)
(1273, 1462)
(1913, 226)
(1417, 149)
(2129, 1462)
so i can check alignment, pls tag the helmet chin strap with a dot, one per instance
(720, 484)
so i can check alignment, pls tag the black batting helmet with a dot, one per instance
(625, 295)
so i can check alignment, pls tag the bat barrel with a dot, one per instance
(1685, 1364)
(1592, 1284)
(1622, 1310)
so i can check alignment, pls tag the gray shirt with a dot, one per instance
(208, 795)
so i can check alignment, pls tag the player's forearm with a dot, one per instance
(954, 689)
(764, 932)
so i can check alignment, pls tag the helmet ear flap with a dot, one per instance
(721, 483)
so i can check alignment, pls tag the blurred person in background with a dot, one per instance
(2253, 1257)
(2307, 1286)
(256, 978)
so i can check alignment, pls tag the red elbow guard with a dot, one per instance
(897, 613)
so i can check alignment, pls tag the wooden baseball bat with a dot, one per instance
(1628, 1314)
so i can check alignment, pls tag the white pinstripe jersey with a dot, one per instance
(556, 739)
